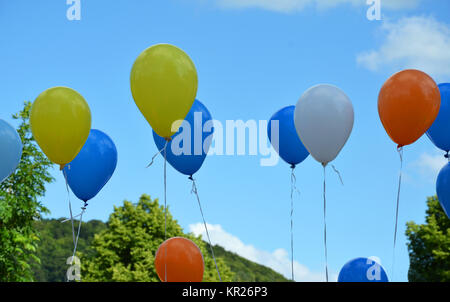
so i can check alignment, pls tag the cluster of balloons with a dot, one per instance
(411, 104)
(320, 124)
(164, 86)
(60, 121)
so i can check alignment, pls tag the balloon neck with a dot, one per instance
(399, 147)
(191, 178)
(324, 164)
(61, 167)
(168, 139)
(292, 166)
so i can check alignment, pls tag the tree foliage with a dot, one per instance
(125, 251)
(20, 205)
(429, 246)
(56, 246)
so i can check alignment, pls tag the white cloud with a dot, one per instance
(414, 42)
(277, 260)
(430, 165)
(289, 6)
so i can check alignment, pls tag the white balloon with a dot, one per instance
(324, 120)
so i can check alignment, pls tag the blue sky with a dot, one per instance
(253, 57)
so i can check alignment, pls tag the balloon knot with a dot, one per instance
(292, 166)
(168, 139)
(446, 155)
(399, 147)
(191, 178)
(61, 167)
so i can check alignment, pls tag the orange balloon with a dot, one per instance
(408, 104)
(179, 260)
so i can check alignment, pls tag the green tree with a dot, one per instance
(56, 245)
(20, 205)
(125, 251)
(429, 246)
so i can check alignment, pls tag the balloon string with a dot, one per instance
(325, 221)
(195, 191)
(83, 209)
(400, 153)
(156, 155)
(70, 206)
(165, 207)
(338, 173)
(293, 182)
(293, 189)
(75, 216)
(325, 213)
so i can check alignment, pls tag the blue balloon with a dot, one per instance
(362, 270)
(92, 168)
(439, 132)
(290, 148)
(188, 148)
(10, 150)
(443, 188)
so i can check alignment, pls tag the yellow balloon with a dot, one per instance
(60, 121)
(164, 85)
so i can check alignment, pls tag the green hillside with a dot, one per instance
(56, 246)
